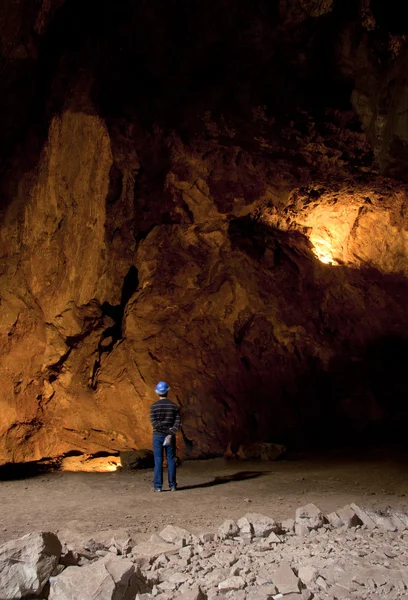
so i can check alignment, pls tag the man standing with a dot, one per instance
(165, 419)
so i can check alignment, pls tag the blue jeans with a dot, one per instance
(158, 439)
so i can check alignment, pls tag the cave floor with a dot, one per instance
(210, 491)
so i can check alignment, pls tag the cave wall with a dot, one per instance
(179, 203)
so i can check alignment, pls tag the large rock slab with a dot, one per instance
(152, 550)
(262, 525)
(176, 535)
(27, 563)
(309, 515)
(111, 578)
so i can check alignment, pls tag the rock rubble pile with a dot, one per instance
(349, 554)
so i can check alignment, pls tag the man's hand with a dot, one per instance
(167, 440)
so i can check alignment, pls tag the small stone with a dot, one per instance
(273, 539)
(334, 520)
(179, 577)
(288, 525)
(186, 552)
(309, 515)
(92, 546)
(301, 529)
(339, 592)
(285, 579)
(232, 583)
(399, 524)
(175, 535)
(383, 522)
(168, 586)
(348, 516)
(228, 529)
(262, 593)
(308, 574)
(321, 583)
(262, 525)
(403, 517)
(155, 539)
(124, 545)
(234, 571)
(363, 516)
(153, 551)
(246, 530)
(389, 552)
(215, 576)
(208, 537)
(237, 595)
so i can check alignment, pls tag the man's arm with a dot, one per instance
(153, 420)
(177, 422)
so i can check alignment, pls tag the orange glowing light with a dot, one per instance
(109, 467)
(323, 250)
(89, 464)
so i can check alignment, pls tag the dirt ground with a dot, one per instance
(210, 491)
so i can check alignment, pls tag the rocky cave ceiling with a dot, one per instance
(213, 193)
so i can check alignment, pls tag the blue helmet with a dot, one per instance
(162, 388)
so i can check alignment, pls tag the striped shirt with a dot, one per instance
(165, 416)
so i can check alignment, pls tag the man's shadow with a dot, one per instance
(242, 476)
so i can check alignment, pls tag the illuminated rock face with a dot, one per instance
(257, 266)
(57, 272)
(354, 227)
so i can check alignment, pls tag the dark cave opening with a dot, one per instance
(162, 64)
(114, 334)
(389, 16)
(130, 285)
